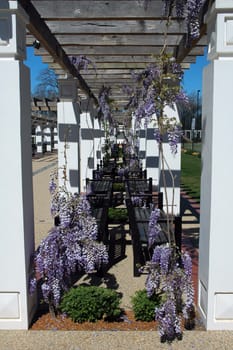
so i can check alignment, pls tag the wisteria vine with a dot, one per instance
(184, 9)
(169, 271)
(69, 247)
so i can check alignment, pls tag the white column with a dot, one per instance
(68, 119)
(97, 140)
(16, 200)
(152, 154)
(47, 138)
(86, 143)
(216, 240)
(172, 169)
(39, 138)
(142, 132)
(55, 139)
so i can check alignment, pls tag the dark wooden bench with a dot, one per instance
(99, 186)
(135, 174)
(99, 206)
(139, 222)
(136, 186)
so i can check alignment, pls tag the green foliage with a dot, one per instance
(117, 214)
(118, 186)
(190, 174)
(143, 306)
(91, 303)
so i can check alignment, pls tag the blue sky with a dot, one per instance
(191, 83)
(36, 66)
(192, 80)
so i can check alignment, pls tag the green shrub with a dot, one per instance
(143, 306)
(117, 214)
(118, 187)
(90, 303)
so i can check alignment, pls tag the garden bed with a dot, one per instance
(126, 322)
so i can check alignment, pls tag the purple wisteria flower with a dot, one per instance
(104, 109)
(157, 135)
(188, 9)
(174, 135)
(69, 247)
(169, 321)
(137, 201)
(171, 276)
(82, 62)
(154, 228)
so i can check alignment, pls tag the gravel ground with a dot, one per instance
(48, 340)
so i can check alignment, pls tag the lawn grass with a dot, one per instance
(190, 174)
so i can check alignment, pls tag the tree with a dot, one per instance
(47, 86)
(190, 110)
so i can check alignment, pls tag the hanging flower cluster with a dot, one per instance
(69, 247)
(82, 62)
(169, 271)
(170, 274)
(158, 86)
(188, 9)
(104, 100)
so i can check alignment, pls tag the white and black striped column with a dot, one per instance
(55, 139)
(87, 145)
(152, 154)
(47, 138)
(68, 118)
(39, 139)
(169, 177)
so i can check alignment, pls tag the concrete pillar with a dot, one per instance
(16, 200)
(172, 170)
(68, 119)
(39, 139)
(215, 300)
(86, 143)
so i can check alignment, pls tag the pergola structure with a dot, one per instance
(119, 36)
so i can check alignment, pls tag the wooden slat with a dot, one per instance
(121, 26)
(127, 61)
(97, 9)
(111, 50)
(114, 40)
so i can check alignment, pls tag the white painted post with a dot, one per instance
(152, 154)
(39, 139)
(68, 119)
(142, 147)
(47, 138)
(97, 140)
(86, 143)
(172, 170)
(16, 200)
(215, 300)
(55, 139)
